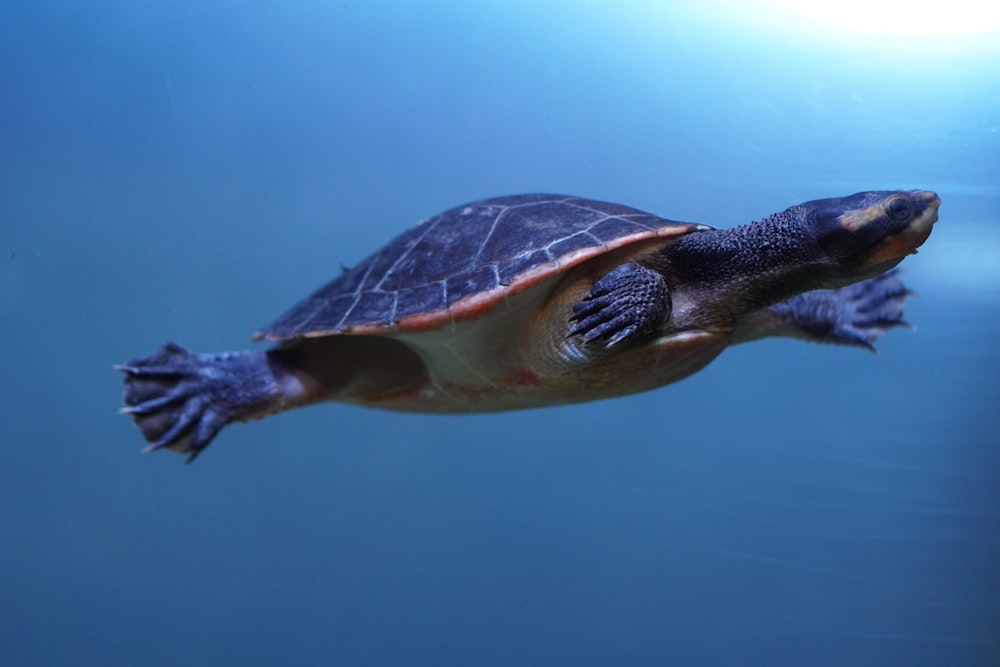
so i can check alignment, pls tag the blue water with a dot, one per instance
(187, 170)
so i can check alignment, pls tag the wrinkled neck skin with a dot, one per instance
(720, 276)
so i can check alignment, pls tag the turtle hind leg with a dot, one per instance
(180, 400)
(858, 314)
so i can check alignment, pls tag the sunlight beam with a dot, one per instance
(901, 17)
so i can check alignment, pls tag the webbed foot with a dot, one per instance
(628, 302)
(857, 314)
(180, 400)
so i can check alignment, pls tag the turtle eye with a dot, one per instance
(898, 208)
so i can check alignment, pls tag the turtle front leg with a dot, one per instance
(627, 303)
(857, 314)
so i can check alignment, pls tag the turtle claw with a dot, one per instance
(190, 434)
(629, 301)
(149, 406)
(598, 318)
(857, 314)
(180, 400)
(624, 334)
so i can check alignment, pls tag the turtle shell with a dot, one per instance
(459, 264)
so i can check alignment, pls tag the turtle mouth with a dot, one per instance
(906, 241)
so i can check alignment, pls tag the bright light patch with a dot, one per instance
(902, 17)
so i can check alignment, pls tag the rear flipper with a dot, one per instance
(180, 400)
(857, 314)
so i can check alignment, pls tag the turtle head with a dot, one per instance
(867, 233)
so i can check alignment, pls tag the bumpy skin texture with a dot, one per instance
(822, 244)
(776, 242)
(626, 304)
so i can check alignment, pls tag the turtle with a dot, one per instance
(536, 300)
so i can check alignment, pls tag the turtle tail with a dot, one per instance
(180, 400)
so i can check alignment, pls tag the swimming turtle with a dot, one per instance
(536, 300)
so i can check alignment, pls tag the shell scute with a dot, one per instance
(523, 263)
(421, 299)
(479, 280)
(571, 244)
(610, 229)
(371, 308)
(460, 263)
(316, 309)
(432, 256)
(524, 229)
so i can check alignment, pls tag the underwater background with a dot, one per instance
(187, 170)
